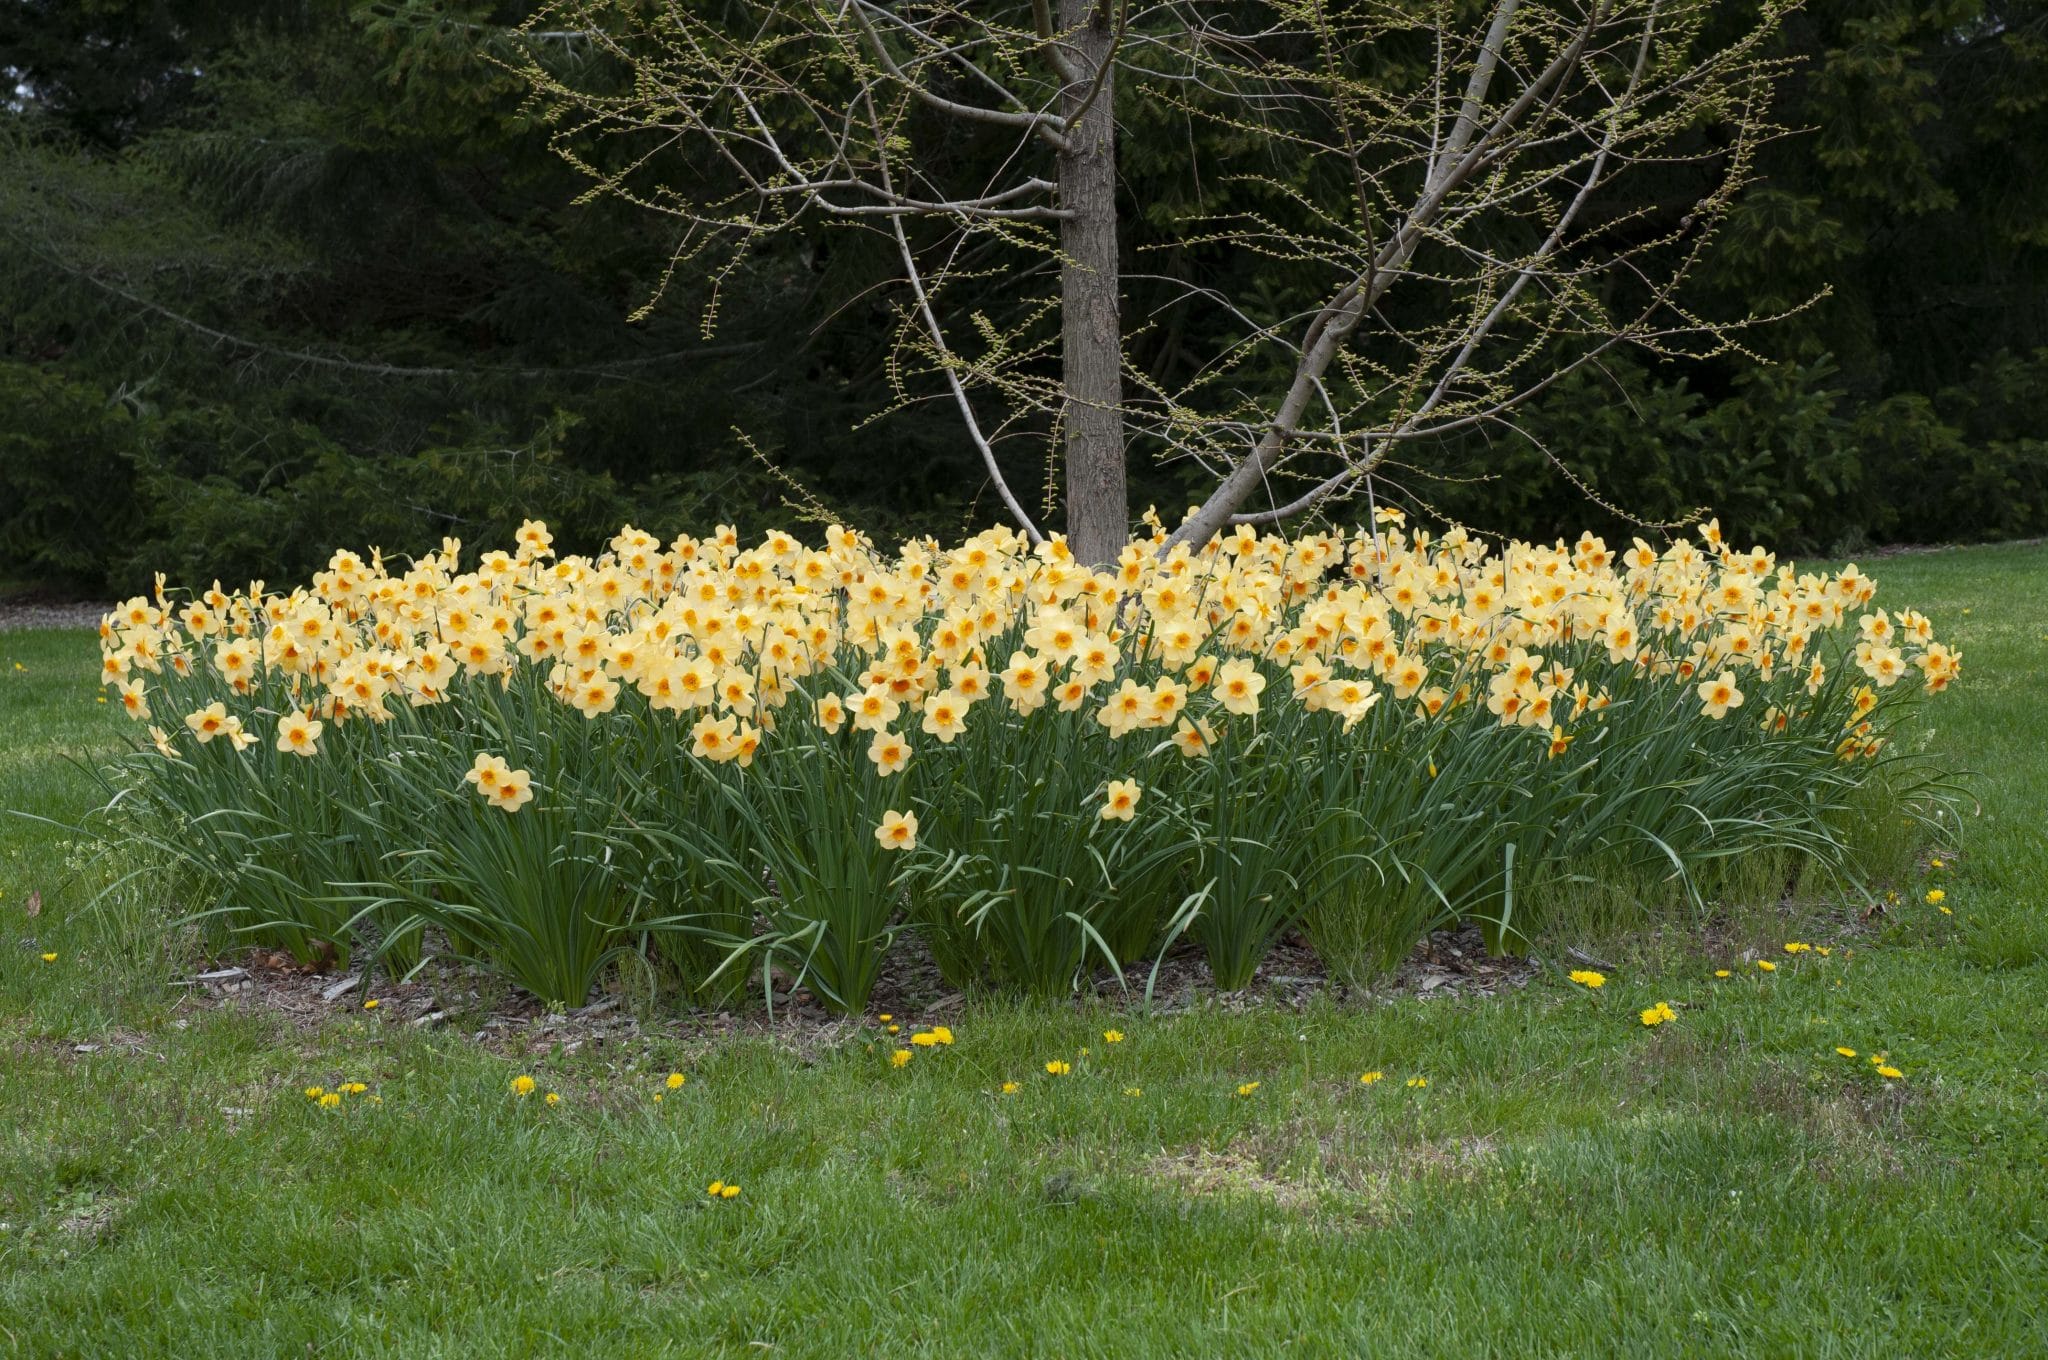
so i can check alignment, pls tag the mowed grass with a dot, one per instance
(1568, 1183)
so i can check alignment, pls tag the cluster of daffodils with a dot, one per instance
(724, 637)
(653, 732)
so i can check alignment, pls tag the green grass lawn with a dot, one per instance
(1568, 1183)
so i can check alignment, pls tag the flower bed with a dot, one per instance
(727, 757)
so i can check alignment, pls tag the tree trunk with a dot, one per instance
(1098, 513)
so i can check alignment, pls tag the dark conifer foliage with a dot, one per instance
(281, 277)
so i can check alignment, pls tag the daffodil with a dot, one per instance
(1120, 800)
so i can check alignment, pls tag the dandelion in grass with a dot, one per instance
(1371, 1078)
(352, 1088)
(315, 1092)
(1587, 978)
(942, 1035)
(49, 958)
(1888, 1072)
(900, 1058)
(1120, 800)
(1845, 1052)
(1723, 973)
(330, 1100)
(1795, 947)
(1935, 897)
(1765, 965)
(895, 1029)
(885, 1017)
(1058, 1068)
(1112, 1036)
(554, 1098)
(1247, 1088)
(674, 1081)
(1935, 864)
(1134, 1091)
(1658, 1014)
(924, 1039)
(372, 1004)
(522, 1085)
(1011, 1088)
(898, 831)
(1417, 1083)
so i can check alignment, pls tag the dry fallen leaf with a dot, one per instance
(34, 905)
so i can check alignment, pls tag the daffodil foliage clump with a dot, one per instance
(724, 755)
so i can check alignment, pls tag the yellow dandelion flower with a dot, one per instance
(1134, 1090)
(371, 1004)
(1368, 1078)
(315, 1092)
(1417, 1083)
(675, 1081)
(1586, 977)
(1889, 1073)
(1248, 1088)
(1112, 1036)
(1935, 897)
(900, 1058)
(1767, 966)
(1722, 972)
(1846, 1052)
(522, 1085)
(330, 1100)
(49, 958)
(553, 1098)
(1058, 1068)
(730, 1192)
(1010, 1088)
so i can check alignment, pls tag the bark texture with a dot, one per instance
(1098, 513)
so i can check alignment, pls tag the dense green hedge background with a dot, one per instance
(277, 277)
